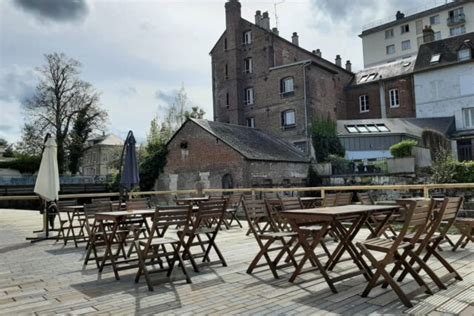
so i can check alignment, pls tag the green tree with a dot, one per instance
(443, 168)
(325, 140)
(58, 99)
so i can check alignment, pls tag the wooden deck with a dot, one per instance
(47, 278)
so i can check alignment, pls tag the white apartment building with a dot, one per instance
(401, 36)
(444, 86)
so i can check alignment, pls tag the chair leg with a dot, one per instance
(263, 252)
(428, 270)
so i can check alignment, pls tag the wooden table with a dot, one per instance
(311, 201)
(116, 218)
(332, 218)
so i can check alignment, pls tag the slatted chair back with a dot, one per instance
(169, 216)
(217, 197)
(210, 214)
(258, 217)
(293, 203)
(447, 213)
(416, 221)
(63, 203)
(329, 200)
(365, 198)
(247, 196)
(138, 204)
(270, 195)
(89, 213)
(344, 198)
(235, 200)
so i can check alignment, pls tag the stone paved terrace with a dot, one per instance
(47, 278)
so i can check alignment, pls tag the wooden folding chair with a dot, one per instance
(375, 220)
(256, 212)
(329, 200)
(466, 228)
(286, 204)
(232, 208)
(343, 198)
(155, 247)
(206, 224)
(397, 251)
(65, 226)
(432, 238)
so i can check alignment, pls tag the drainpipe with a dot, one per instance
(308, 138)
(383, 106)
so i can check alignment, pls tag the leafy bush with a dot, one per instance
(340, 165)
(403, 148)
(464, 172)
(313, 179)
(435, 141)
(23, 163)
(325, 140)
(443, 168)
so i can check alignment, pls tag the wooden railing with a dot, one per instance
(426, 188)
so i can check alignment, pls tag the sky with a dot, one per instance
(138, 53)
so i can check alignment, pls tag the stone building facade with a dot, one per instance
(210, 154)
(100, 154)
(265, 81)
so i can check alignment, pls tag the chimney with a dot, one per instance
(258, 18)
(428, 34)
(399, 15)
(317, 52)
(338, 60)
(294, 39)
(275, 31)
(232, 14)
(348, 66)
(265, 21)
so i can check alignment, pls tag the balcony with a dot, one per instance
(457, 19)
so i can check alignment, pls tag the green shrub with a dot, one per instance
(443, 168)
(325, 140)
(464, 172)
(23, 163)
(403, 148)
(340, 165)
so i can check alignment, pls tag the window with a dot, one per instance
(456, 16)
(367, 128)
(434, 19)
(406, 45)
(372, 76)
(227, 99)
(419, 26)
(248, 65)
(394, 99)
(250, 122)
(287, 87)
(247, 37)
(351, 129)
(225, 43)
(301, 146)
(468, 116)
(288, 118)
(388, 33)
(362, 129)
(458, 30)
(404, 28)
(435, 58)
(364, 103)
(464, 54)
(226, 71)
(248, 97)
(390, 49)
(437, 35)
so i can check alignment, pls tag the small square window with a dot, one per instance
(382, 128)
(388, 33)
(364, 103)
(288, 118)
(435, 58)
(458, 30)
(405, 28)
(301, 146)
(434, 19)
(247, 37)
(406, 45)
(464, 54)
(362, 129)
(372, 128)
(390, 49)
(437, 35)
(351, 129)
(250, 122)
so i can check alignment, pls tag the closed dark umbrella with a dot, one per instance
(129, 173)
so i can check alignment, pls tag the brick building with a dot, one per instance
(384, 91)
(263, 80)
(218, 155)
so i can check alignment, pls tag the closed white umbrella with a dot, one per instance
(47, 181)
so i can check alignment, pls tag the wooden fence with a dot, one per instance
(425, 188)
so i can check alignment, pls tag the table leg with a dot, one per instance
(108, 247)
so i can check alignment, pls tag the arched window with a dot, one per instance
(227, 181)
(287, 87)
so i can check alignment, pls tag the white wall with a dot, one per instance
(374, 44)
(445, 92)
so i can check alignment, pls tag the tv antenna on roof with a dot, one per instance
(275, 3)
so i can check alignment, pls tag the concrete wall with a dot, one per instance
(374, 44)
(445, 92)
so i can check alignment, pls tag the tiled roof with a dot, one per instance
(252, 143)
(107, 140)
(406, 126)
(384, 71)
(447, 48)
